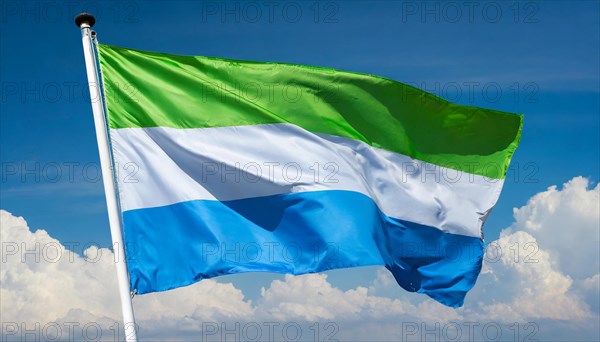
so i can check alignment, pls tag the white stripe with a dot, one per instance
(160, 166)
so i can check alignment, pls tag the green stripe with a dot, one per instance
(147, 89)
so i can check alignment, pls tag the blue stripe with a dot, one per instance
(297, 233)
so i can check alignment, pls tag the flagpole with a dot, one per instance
(85, 21)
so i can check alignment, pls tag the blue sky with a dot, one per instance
(543, 58)
(544, 65)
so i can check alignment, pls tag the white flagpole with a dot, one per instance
(85, 21)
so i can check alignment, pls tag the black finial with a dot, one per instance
(85, 18)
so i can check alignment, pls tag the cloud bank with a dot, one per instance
(541, 280)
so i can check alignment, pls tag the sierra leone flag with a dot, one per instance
(232, 166)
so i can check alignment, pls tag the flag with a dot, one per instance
(229, 166)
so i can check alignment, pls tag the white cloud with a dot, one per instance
(567, 222)
(589, 290)
(49, 281)
(313, 298)
(529, 286)
(50, 284)
(534, 279)
(546, 264)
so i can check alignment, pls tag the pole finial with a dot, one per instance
(85, 18)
